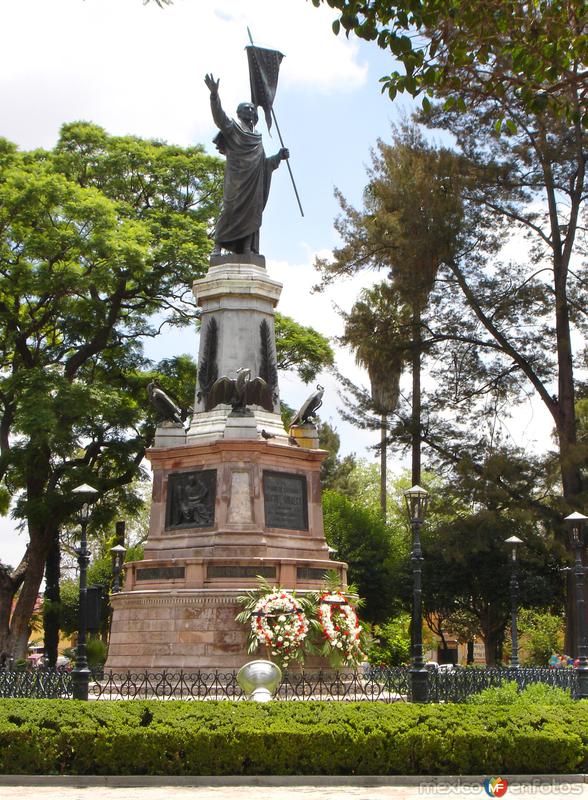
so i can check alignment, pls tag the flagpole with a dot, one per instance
(282, 143)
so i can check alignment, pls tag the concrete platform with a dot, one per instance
(325, 787)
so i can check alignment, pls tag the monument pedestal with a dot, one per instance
(263, 503)
(232, 500)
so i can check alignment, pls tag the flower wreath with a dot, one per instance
(279, 623)
(340, 626)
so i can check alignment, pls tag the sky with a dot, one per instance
(139, 69)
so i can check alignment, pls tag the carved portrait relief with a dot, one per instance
(191, 499)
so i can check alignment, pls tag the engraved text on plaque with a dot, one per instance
(285, 499)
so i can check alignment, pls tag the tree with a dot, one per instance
(466, 568)
(373, 551)
(520, 73)
(490, 314)
(301, 348)
(376, 328)
(96, 237)
(412, 222)
(532, 179)
(335, 471)
(391, 646)
(534, 52)
(542, 166)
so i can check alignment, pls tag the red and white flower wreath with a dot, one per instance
(340, 625)
(278, 622)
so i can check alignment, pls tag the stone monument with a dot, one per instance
(235, 496)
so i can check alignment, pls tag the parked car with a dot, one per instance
(433, 666)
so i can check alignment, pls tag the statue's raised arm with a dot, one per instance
(211, 83)
(247, 175)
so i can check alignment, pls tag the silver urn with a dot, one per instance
(259, 680)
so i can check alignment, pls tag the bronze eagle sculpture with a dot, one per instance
(309, 408)
(163, 404)
(241, 391)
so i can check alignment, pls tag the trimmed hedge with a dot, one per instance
(289, 738)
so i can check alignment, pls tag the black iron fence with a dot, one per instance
(35, 682)
(387, 685)
(456, 685)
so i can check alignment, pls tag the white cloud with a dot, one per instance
(137, 69)
(319, 311)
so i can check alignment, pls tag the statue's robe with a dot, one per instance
(247, 183)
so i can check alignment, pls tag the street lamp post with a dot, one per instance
(117, 554)
(416, 504)
(81, 671)
(514, 590)
(575, 523)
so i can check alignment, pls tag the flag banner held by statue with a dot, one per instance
(264, 67)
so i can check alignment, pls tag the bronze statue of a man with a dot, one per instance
(248, 174)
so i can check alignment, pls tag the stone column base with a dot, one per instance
(175, 630)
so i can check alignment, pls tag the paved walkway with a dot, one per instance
(329, 790)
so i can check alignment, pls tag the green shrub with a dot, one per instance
(541, 635)
(508, 694)
(96, 652)
(287, 738)
(391, 645)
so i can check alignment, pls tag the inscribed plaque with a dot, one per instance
(236, 571)
(310, 574)
(160, 573)
(285, 500)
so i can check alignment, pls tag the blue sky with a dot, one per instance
(139, 70)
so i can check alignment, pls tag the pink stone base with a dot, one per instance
(178, 607)
(187, 630)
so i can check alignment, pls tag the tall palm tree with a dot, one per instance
(411, 223)
(376, 329)
(414, 214)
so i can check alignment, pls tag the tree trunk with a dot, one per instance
(10, 583)
(470, 652)
(383, 465)
(569, 457)
(493, 635)
(570, 460)
(7, 592)
(490, 648)
(51, 606)
(18, 636)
